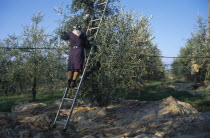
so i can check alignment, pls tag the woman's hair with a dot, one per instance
(77, 27)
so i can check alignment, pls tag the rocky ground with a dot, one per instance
(153, 119)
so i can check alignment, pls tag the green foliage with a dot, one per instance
(125, 58)
(29, 67)
(119, 66)
(196, 47)
(82, 11)
(121, 63)
(90, 6)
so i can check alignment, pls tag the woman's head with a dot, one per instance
(77, 27)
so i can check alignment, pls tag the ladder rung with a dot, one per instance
(102, 3)
(76, 88)
(93, 28)
(62, 110)
(100, 11)
(96, 20)
(68, 99)
(59, 122)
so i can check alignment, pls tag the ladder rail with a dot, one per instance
(92, 20)
(67, 89)
(90, 53)
(84, 71)
(79, 86)
(101, 18)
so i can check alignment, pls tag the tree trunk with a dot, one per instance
(34, 82)
(4, 87)
(34, 89)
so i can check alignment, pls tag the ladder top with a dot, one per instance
(103, 3)
(93, 28)
(96, 20)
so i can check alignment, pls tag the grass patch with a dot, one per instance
(153, 84)
(48, 97)
(6, 102)
(151, 93)
(179, 81)
(201, 105)
(6, 107)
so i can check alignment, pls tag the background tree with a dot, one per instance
(7, 61)
(32, 61)
(196, 49)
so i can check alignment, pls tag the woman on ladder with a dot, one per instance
(78, 43)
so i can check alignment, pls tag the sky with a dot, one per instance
(172, 20)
